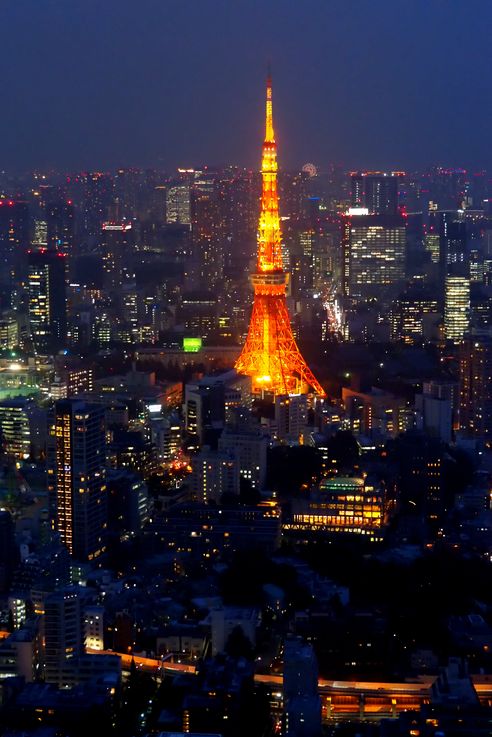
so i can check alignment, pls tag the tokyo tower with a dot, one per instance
(270, 354)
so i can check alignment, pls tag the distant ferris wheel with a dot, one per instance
(310, 170)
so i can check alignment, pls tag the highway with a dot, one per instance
(364, 699)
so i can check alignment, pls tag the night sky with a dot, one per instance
(99, 84)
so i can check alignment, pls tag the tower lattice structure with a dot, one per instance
(270, 354)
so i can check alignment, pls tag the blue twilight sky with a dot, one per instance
(370, 83)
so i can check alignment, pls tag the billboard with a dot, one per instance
(192, 345)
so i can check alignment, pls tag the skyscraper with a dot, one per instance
(14, 239)
(373, 255)
(375, 190)
(15, 426)
(476, 386)
(116, 247)
(456, 307)
(77, 477)
(47, 300)
(178, 204)
(63, 633)
(270, 355)
(60, 227)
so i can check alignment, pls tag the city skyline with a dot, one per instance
(245, 410)
(161, 86)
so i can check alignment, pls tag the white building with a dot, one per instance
(225, 619)
(250, 449)
(214, 473)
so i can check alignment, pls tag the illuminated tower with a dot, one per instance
(270, 354)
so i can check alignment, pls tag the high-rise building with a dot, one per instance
(47, 300)
(14, 240)
(290, 417)
(377, 191)
(40, 235)
(475, 413)
(432, 244)
(270, 354)
(63, 633)
(9, 332)
(434, 409)
(198, 313)
(77, 476)
(178, 204)
(415, 317)
(206, 229)
(15, 427)
(214, 473)
(116, 246)
(204, 410)
(250, 448)
(374, 248)
(453, 242)
(377, 414)
(456, 307)
(60, 227)
(302, 702)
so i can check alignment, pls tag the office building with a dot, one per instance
(166, 436)
(302, 702)
(341, 505)
(198, 314)
(15, 427)
(117, 244)
(432, 244)
(204, 410)
(47, 300)
(209, 529)
(77, 476)
(214, 474)
(436, 409)
(456, 307)
(375, 191)
(93, 626)
(453, 243)
(250, 449)
(374, 249)
(475, 413)
(60, 225)
(63, 633)
(128, 502)
(178, 204)
(14, 240)
(21, 653)
(376, 414)
(9, 332)
(290, 417)
(415, 318)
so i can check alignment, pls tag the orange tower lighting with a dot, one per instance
(270, 354)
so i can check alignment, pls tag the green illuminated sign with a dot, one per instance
(192, 345)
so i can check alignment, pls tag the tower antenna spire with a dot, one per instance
(269, 132)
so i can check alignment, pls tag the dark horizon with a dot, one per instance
(162, 85)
